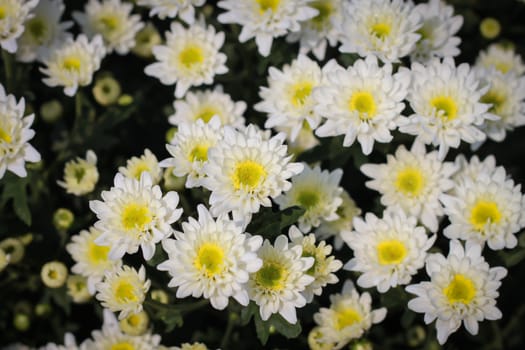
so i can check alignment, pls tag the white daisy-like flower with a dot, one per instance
(319, 31)
(73, 63)
(245, 170)
(91, 260)
(185, 9)
(488, 208)
(70, 343)
(384, 28)
(344, 224)
(462, 288)
(324, 264)
(362, 102)
(211, 258)
(412, 181)
(123, 289)
(288, 98)
(190, 57)
(80, 175)
(437, 32)
(207, 104)
(13, 14)
(470, 169)
(388, 251)
(349, 316)
(266, 19)
(506, 97)
(15, 132)
(446, 104)
(147, 162)
(189, 149)
(42, 30)
(278, 285)
(112, 20)
(134, 213)
(504, 59)
(318, 192)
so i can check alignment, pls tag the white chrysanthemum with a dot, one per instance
(437, 32)
(485, 208)
(80, 175)
(412, 181)
(318, 192)
(348, 317)
(42, 30)
(288, 98)
(384, 28)
(207, 104)
(147, 162)
(324, 264)
(318, 31)
(123, 290)
(73, 63)
(15, 132)
(13, 14)
(363, 101)
(112, 20)
(278, 285)
(91, 260)
(134, 213)
(171, 8)
(245, 170)
(110, 337)
(190, 57)
(446, 104)
(304, 140)
(189, 149)
(211, 258)
(506, 96)
(388, 251)
(337, 228)
(266, 19)
(70, 343)
(462, 288)
(505, 60)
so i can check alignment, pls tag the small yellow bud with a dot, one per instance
(125, 100)
(170, 134)
(490, 28)
(43, 309)
(145, 39)
(106, 90)
(54, 274)
(14, 248)
(63, 218)
(77, 289)
(160, 296)
(51, 111)
(22, 322)
(135, 324)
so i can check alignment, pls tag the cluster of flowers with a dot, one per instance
(244, 167)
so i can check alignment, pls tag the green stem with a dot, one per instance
(78, 104)
(232, 320)
(182, 308)
(8, 68)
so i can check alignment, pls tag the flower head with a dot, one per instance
(13, 14)
(80, 175)
(145, 163)
(171, 9)
(503, 59)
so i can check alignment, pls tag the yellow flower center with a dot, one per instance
(139, 168)
(97, 253)
(347, 317)
(325, 9)
(300, 92)
(271, 276)
(497, 99)
(484, 212)
(199, 153)
(381, 30)
(125, 292)
(503, 67)
(108, 23)
(136, 216)
(191, 55)
(3, 12)
(4, 136)
(71, 63)
(122, 346)
(36, 27)
(52, 274)
(265, 5)
(391, 252)
(308, 198)
(410, 182)
(425, 31)
(445, 106)
(248, 174)
(206, 113)
(363, 102)
(210, 259)
(133, 320)
(460, 290)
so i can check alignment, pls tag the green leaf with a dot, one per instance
(270, 224)
(289, 216)
(247, 313)
(15, 189)
(276, 323)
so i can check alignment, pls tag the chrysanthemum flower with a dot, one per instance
(384, 28)
(135, 324)
(362, 102)
(288, 98)
(211, 258)
(412, 181)
(73, 63)
(190, 57)
(13, 14)
(468, 170)
(145, 163)
(185, 9)
(349, 316)
(462, 289)
(54, 274)
(278, 285)
(318, 192)
(134, 213)
(388, 251)
(80, 175)
(15, 133)
(505, 60)
(266, 19)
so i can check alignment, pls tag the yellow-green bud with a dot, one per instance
(106, 90)
(362, 345)
(145, 39)
(135, 324)
(26, 239)
(77, 289)
(43, 309)
(170, 134)
(51, 111)
(22, 322)
(63, 218)
(14, 248)
(125, 100)
(160, 296)
(54, 274)
(415, 336)
(490, 28)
